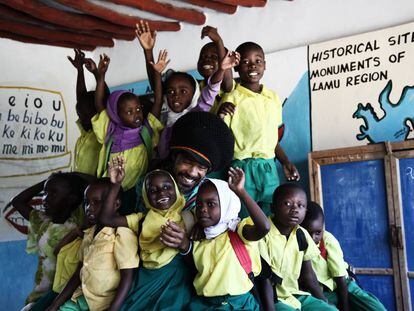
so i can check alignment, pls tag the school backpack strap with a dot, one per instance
(146, 135)
(302, 242)
(241, 253)
(108, 150)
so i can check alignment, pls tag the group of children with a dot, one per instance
(143, 224)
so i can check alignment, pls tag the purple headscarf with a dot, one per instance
(123, 137)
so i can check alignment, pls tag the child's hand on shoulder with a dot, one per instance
(210, 32)
(103, 65)
(91, 65)
(225, 109)
(162, 62)
(236, 180)
(78, 61)
(116, 169)
(231, 60)
(145, 37)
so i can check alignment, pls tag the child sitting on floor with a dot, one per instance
(254, 123)
(331, 269)
(288, 250)
(62, 196)
(164, 280)
(108, 257)
(224, 280)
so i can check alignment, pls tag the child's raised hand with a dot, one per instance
(231, 60)
(162, 61)
(90, 65)
(210, 32)
(144, 35)
(225, 109)
(104, 61)
(116, 169)
(236, 180)
(78, 61)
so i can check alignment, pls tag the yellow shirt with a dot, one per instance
(103, 256)
(285, 260)
(66, 264)
(86, 152)
(136, 159)
(255, 122)
(219, 269)
(133, 221)
(334, 265)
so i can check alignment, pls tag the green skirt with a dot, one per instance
(227, 302)
(79, 305)
(167, 288)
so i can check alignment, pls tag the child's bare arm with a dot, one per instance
(230, 60)
(71, 236)
(123, 289)
(100, 82)
(108, 217)
(158, 69)
(93, 69)
(68, 291)
(342, 293)
(309, 280)
(22, 201)
(78, 62)
(289, 168)
(261, 224)
(266, 294)
(225, 109)
(214, 36)
(147, 40)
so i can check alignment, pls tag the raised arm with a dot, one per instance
(123, 289)
(93, 69)
(78, 62)
(68, 291)
(147, 40)
(309, 281)
(289, 168)
(230, 60)
(100, 83)
(108, 217)
(22, 201)
(214, 36)
(261, 224)
(157, 70)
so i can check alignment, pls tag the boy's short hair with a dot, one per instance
(248, 46)
(74, 182)
(106, 182)
(313, 212)
(279, 191)
(183, 75)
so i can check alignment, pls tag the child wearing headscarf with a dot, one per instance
(222, 283)
(164, 280)
(123, 130)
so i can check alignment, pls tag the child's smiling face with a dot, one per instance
(160, 190)
(290, 208)
(208, 209)
(130, 113)
(252, 66)
(208, 61)
(180, 93)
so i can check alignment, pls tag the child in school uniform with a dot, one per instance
(222, 282)
(182, 92)
(62, 196)
(331, 269)
(255, 121)
(87, 147)
(107, 256)
(163, 282)
(123, 130)
(288, 250)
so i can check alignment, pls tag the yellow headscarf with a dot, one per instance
(154, 253)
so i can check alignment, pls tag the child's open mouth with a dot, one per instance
(253, 74)
(163, 200)
(208, 67)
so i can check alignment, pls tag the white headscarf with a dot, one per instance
(230, 207)
(172, 116)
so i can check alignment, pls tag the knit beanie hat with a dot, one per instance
(206, 137)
